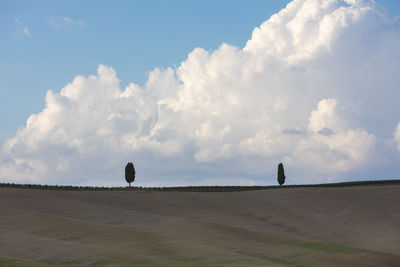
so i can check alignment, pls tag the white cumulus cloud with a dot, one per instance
(316, 87)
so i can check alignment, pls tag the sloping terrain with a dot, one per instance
(347, 226)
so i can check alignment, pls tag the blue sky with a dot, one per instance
(45, 44)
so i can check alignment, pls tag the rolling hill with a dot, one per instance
(300, 226)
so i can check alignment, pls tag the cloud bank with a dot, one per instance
(315, 87)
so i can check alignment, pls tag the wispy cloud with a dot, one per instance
(23, 28)
(60, 23)
(26, 31)
(68, 20)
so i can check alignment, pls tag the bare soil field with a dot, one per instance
(346, 226)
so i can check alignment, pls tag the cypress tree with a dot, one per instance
(130, 173)
(281, 174)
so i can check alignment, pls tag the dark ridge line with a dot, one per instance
(197, 188)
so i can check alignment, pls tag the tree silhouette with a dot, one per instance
(281, 174)
(130, 173)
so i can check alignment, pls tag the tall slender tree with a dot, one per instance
(281, 174)
(130, 173)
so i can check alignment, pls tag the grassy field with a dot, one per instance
(209, 226)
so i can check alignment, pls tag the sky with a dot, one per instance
(199, 93)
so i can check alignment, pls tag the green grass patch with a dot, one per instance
(279, 261)
(326, 247)
(15, 262)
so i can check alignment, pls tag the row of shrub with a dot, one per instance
(59, 187)
(195, 188)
